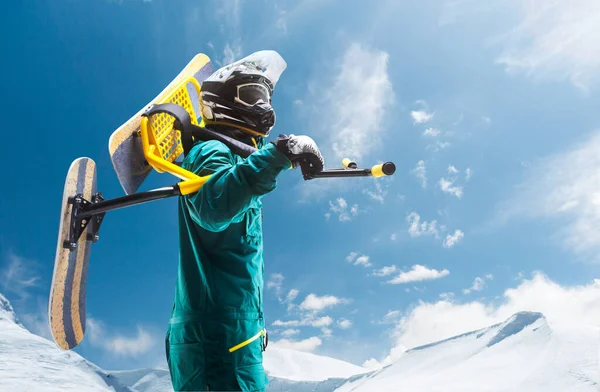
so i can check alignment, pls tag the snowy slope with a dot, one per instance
(301, 366)
(288, 370)
(521, 354)
(31, 363)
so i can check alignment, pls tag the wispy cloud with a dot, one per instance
(230, 13)
(309, 320)
(290, 332)
(342, 210)
(565, 308)
(433, 132)
(344, 323)
(555, 40)
(478, 284)
(420, 171)
(119, 345)
(418, 273)
(420, 116)
(418, 228)
(385, 271)
(378, 194)
(564, 187)
(447, 184)
(453, 239)
(357, 259)
(308, 345)
(275, 282)
(391, 317)
(366, 81)
(231, 53)
(18, 275)
(468, 174)
(314, 303)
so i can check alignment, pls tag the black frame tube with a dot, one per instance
(335, 173)
(129, 200)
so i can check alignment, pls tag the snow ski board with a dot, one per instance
(66, 310)
(125, 144)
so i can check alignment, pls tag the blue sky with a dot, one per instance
(490, 114)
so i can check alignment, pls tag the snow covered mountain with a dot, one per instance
(521, 354)
(30, 362)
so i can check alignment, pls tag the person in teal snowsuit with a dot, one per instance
(216, 335)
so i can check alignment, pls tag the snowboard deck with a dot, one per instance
(125, 144)
(66, 311)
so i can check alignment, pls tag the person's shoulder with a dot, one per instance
(208, 153)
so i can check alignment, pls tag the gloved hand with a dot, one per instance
(301, 151)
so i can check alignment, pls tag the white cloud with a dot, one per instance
(420, 116)
(453, 239)
(478, 285)
(292, 294)
(355, 259)
(391, 317)
(438, 146)
(340, 208)
(394, 236)
(131, 346)
(355, 133)
(566, 187)
(124, 346)
(433, 132)
(418, 273)
(344, 323)
(564, 308)
(308, 345)
(231, 53)
(290, 323)
(468, 174)
(276, 282)
(327, 332)
(420, 171)
(446, 296)
(308, 320)
(319, 322)
(351, 132)
(418, 228)
(555, 40)
(17, 275)
(229, 12)
(290, 332)
(313, 302)
(447, 186)
(378, 194)
(385, 271)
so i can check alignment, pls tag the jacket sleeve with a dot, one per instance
(233, 187)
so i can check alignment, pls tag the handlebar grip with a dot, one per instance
(349, 164)
(384, 169)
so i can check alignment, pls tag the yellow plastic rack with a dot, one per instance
(162, 143)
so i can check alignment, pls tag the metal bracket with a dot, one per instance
(79, 224)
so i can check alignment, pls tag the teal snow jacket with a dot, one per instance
(216, 337)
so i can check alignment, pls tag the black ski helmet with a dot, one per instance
(239, 94)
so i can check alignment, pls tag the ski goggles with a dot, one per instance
(251, 94)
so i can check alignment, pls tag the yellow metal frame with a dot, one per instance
(162, 143)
